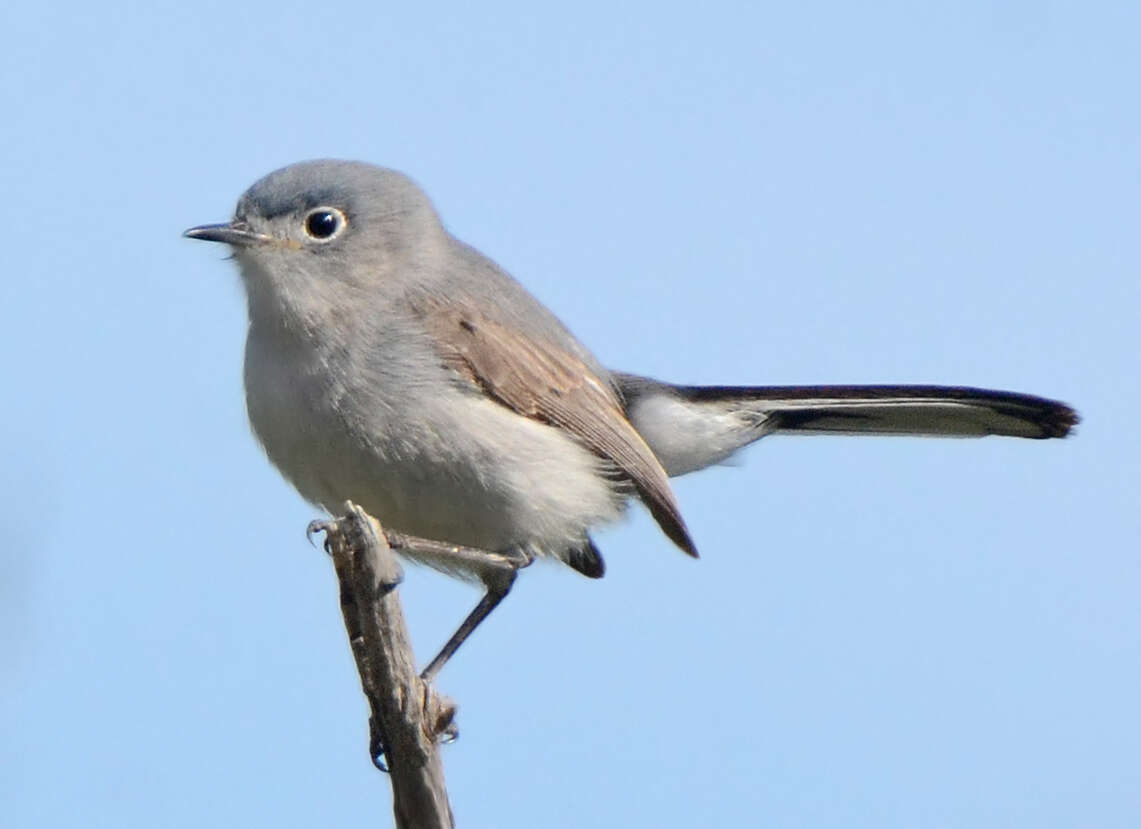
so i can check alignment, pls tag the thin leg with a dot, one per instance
(452, 558)
(496, 591)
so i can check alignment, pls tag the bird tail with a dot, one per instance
(691, 427)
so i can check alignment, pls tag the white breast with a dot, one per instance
(433, 460)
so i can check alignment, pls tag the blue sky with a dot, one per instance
(880, 632)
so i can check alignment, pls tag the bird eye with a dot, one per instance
(324, 223)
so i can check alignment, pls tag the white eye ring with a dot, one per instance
(324, 224)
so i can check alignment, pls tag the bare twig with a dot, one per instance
(408, 719)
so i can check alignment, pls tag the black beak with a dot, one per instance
(234, 233)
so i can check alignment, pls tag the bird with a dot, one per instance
(390, 364)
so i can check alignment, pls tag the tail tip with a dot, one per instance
(1059, 421)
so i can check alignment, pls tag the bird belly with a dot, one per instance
(457, 467)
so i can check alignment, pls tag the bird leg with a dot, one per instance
(494, 595)
(496, 570)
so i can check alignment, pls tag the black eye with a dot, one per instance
(324, 223)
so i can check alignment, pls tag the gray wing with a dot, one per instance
(545, 382)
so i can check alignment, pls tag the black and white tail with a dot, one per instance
(691, 427)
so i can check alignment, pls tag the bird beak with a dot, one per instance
(237, 234)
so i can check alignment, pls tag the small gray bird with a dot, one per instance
(390, 364)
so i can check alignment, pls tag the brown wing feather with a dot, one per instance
(546, 383)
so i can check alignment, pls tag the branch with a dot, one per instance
(408, 718)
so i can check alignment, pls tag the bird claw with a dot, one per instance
(378, 753)
(320, 525)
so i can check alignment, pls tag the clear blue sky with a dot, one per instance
(888, 633)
